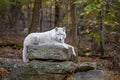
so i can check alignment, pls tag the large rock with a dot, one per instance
(42, 76)
(43, 70)
(51, 63)
(91, 75)
(53, 67)
(85, 66)
(47, 52)
(39, 70)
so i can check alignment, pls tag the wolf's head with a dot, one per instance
(60, 34)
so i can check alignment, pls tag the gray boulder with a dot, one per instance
(91, 75)
(39, 70)
(47, 52)
(53, 67)
(19, 71)
(44, 70)
(86, 66)
(52, 63)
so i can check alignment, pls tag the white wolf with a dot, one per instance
(54, 37)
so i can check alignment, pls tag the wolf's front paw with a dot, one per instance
(74, 53)
(25, 60)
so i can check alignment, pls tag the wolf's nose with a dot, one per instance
(60, 39)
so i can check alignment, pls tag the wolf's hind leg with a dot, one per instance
(24, 55)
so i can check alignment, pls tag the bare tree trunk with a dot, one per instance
(41, 20)
(57, 12)
(73, 25)
(35, 16)
(52, 16)
(102, 32)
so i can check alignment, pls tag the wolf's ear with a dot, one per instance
(64, 29)
(56, 29)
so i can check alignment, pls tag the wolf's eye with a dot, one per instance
(59, 34)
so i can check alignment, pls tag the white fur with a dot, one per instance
(55, 36)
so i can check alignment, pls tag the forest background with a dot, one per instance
(93, 28)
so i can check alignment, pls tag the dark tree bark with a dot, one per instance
(14, 14)
(57, 12)
(102, 32)
(73, 25)
(41, 20)
(35, 16)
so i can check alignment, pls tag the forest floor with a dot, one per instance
(10, 54)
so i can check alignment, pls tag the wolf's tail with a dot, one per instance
(24, 55)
